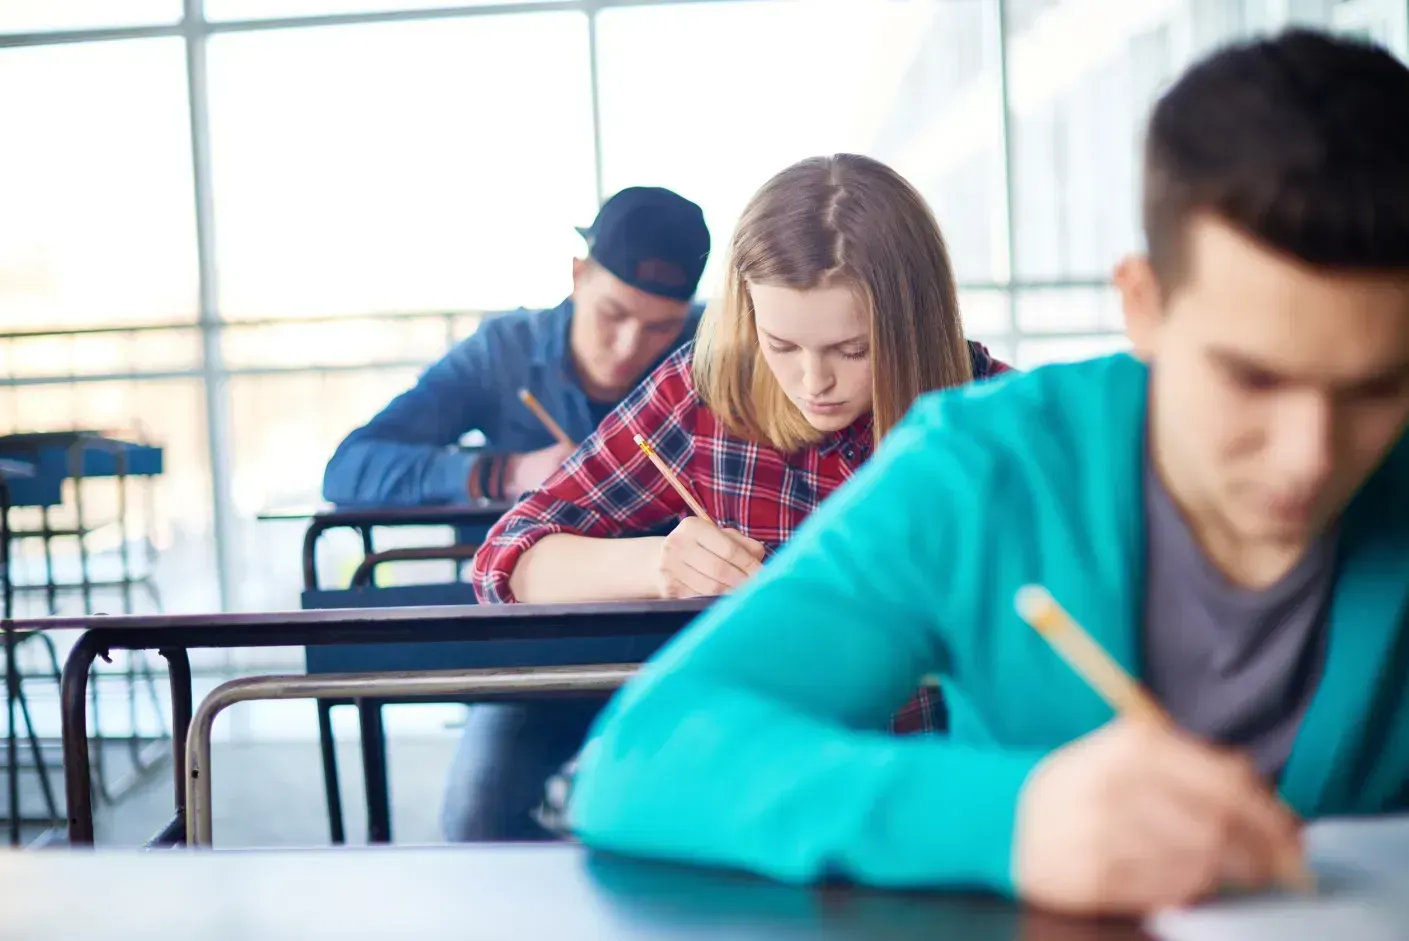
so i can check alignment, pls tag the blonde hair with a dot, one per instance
(848, 220)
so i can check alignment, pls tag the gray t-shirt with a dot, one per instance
(1233, 665)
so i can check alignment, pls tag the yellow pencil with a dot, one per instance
(1109, 679)
(527, 398)
(673, 480)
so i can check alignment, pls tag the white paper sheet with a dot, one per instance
(1362, 868)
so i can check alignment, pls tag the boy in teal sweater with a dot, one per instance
(1227, 513)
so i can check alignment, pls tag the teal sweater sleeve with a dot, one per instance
(756, 739)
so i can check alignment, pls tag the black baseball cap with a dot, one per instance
(652, 239)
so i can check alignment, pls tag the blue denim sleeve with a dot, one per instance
(409, 454)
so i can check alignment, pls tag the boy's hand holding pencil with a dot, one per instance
(1138, 815)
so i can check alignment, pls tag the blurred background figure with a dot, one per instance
(630, 308)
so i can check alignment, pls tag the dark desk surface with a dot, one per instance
(347, 625)
(16, 469)
(484, 511)
(56, 439)
(542, 893)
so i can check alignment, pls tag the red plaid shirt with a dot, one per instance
(609, 489)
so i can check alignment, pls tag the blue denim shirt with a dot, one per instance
(410, 453)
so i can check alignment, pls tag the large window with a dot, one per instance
(261, 9)
(25, 16)
(433, 165)
(1082, 79)
(712, 99)
(381, 178)
(283, 430)
(95, 186)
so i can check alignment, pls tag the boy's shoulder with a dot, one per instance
(1051, 421)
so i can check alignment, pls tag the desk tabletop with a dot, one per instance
(10, 468)
(378, 625)
(34, 439)
(482, 511)
(544, 893)
(60, 455)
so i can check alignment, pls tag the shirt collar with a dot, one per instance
(550, 339)
(858, 435)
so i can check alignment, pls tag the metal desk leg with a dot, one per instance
(81, 526)
(12, 692)
(12, 680)
(368, 550)
(46, 533)
(374, 773)
(7, 587)
(178, 666)
(179, 672)
(78, 784)
(331, 788)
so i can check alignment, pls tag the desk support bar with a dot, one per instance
(78, 786)
(73, 688)
(520, 683)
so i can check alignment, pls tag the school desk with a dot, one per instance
(552, 892)
(511, 635)
(470, 521)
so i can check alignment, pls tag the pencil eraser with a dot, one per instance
(1031, 602)
(638, 439)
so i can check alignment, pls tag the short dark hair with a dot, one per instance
(1300, 140)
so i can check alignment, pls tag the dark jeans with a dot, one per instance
(504, 760)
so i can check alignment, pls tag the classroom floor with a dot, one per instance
(270, 793)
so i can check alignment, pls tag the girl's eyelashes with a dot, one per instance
(782, 350)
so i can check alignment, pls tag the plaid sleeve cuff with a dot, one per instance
(538, 515)
(924, 713)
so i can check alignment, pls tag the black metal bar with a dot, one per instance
(78, 784)
(174, 833)
(6, 582)
(40, 533)
(122, 532)
(366, 519)
(367, 550)
(63, 587)
(134, 740)
(12, 678)
(332, 789)
(12, 692)
(76, 456)
(362, 576)
(100, 775)
(179, 674)
(310, 554)
(374, 772)
(51, 593)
